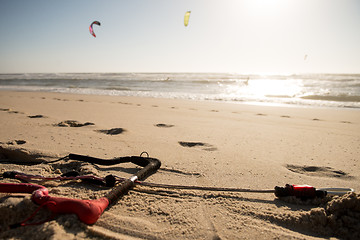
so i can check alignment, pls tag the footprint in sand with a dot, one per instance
(113, 131)
(59, 99)
(36, 116)
(73, 123)
(9, 110)
(191, 144)
(317, 171)
(125, 103)
(208, 147)
(163, 125)
(16, 142)
(16, 112)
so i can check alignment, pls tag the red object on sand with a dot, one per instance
(88, 211)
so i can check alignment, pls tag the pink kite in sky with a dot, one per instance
(91, 27)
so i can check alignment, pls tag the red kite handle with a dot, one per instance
(88, 211)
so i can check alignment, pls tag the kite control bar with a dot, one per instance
(88, 211)
(301, 191)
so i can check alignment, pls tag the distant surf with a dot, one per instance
(327, 90)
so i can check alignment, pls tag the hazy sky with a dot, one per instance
(243, 36)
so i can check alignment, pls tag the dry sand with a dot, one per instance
(198, 143)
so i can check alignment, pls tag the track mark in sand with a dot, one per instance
(125, 103)
(317, 171)
(15, 112)
(285, 116)
(210, 227)
(113, 131)
(261, 114)
(163, 125)
(117, 226)
(208, 147)
(73, 123)
(9, 110)
(316, 119)
(13, 154)
(36, 116)
(181, 172)
(59, 99)
(346, 122)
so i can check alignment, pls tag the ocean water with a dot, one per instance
(309, 90)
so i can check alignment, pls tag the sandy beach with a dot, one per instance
(199, 143)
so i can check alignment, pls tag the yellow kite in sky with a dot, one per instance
(186, 18)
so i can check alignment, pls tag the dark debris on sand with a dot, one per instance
(73, 123)
(113, 131)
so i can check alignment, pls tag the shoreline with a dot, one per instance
(242, 102)
(200, 143)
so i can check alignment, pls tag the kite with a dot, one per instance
(91, 27)
(186, 18)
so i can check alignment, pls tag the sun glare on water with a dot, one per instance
(273, 87)
(262, 88)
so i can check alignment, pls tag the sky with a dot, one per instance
(229, 36)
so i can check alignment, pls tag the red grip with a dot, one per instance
(88, 211)
(301, 191)
(304, 191)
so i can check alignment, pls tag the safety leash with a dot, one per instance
(301, 191)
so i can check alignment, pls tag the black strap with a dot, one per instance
(140, 161)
